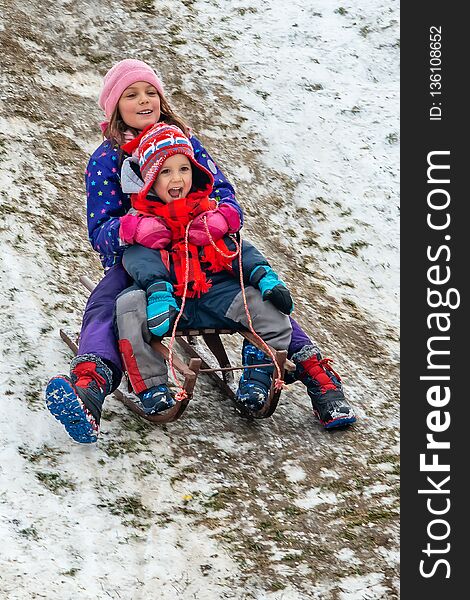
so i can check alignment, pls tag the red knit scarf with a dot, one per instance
(177, 214)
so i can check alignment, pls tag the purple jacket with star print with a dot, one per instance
(106, 202)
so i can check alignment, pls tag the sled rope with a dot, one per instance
(278, 382)
(182, 394)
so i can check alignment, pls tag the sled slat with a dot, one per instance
(187, 347)
(179, 365)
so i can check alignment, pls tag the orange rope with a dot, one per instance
(278, 382)
(182, 394)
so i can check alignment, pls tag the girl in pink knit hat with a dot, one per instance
(133, 98)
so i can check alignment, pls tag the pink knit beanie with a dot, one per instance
(121, 76)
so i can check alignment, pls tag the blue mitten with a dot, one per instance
(161, 308)
(272, 288)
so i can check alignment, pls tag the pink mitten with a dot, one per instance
(150, 232)
(232, 217)
(222, 220)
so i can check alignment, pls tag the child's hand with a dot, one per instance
(150, 232)
(161, 309)
(272, 288)
(222, 220)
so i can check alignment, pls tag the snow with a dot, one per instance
(299, 104)
(314, 497)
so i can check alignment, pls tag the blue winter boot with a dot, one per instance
(77, 401)
(254, 385)
(272, 288)
(161, 308)
(156, 399)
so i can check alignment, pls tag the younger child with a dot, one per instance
(175, 190)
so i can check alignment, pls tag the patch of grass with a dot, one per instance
(29, 532)
(340, 486)
(383, 458)
(34, 399)
(31, 363)
(272, 530)
(313, 87)
(310, 241)
(46, 453)
(352, 248)
(276, 586)
(118, 447)
(255, 546)
(71, 572)
(132, 511)
(264, 95)
(250, 9)
(55, 482)
(341, 11)
(221, 499)
(145, 6)
(138, 426)
(182, 474)
(291, 558)
(358, 518)
(174, 29)
(293, 511)
(130, 505)
(147, 468)
(350, 303)
(318, 552)
(163, 519)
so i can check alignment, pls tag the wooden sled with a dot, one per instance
(221, 375)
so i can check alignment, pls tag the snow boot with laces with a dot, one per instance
(324, 388)
(254, 385)
(77, 401)
(156, 399)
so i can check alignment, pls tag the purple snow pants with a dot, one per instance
(98, 335)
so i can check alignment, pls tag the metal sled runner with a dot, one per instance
(220, 375)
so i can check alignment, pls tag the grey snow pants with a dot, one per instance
(147, 368)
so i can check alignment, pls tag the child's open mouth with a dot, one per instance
(175, 192)
(148, 111)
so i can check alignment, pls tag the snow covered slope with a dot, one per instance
(298, 102)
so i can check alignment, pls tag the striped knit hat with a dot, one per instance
(155, 144)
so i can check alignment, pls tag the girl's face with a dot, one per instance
(139, 105)
(175, 179)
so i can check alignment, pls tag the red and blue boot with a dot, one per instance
(324, 388)
(77, 401)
